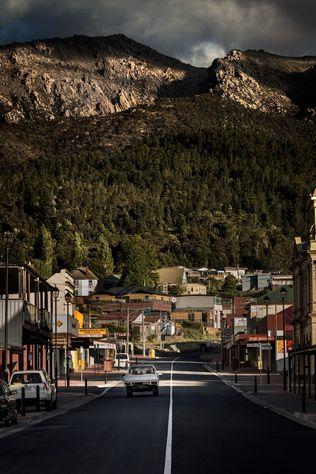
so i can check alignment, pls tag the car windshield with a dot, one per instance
(121, 356)
(26, 378)
(141, 369)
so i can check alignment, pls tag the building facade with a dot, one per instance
(29, 328)
(304, 281)
(85, 281)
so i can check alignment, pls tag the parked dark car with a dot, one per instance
(206, 347)
(8, 411)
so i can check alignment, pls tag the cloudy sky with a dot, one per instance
(196, 31)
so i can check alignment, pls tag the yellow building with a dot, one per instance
(194, 289)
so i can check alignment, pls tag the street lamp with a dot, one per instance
(55, 296)
(68, 300)
(283, 292)
(8, 239)
(267, 302)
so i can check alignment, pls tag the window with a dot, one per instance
(90, 283)
(191, 317)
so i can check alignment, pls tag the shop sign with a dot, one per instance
(90, 332)
(227, 333)
(240, 322)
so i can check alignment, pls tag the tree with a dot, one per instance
(230, 284)
(44, 253)
(80, 250)
(102, 260)
(140, 262)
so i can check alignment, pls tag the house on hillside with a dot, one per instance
(201, 309)
(236, 272)
(194, 289)
(85, 281)
(256, 281)
(171, 278)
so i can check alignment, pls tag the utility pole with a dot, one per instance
(143, 328)
(127, 332)
(8, 238)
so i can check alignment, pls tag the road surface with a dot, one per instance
(196, 425)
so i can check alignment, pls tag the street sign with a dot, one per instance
(264, 347)
(59, 323)
(240, 322)
(227, 333)
(147, 311)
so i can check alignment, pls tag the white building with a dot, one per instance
(237, 272)
(65, 325)
(64, 281)
(85, 281)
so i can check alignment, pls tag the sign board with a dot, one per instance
(91, 332)
(280, 346)
(240, 322)
(147, 311)
(59, 323)
(120, 334)
(227, 333)
(264, 347)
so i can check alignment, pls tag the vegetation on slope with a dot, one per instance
(201, 180)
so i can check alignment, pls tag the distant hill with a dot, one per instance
(103, 138)
(203, 179)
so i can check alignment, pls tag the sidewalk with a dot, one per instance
(68, 399)
(271, 396)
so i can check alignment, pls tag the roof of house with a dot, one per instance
(125, 290)
(171, 275)
(276, 297)
(83, 273)
(107, 283)
(122, 316)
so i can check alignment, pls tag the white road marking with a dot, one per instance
(168, 456)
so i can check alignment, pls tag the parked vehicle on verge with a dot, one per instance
(30, 379)
(206, 347)
(8, 411)
(121, 361)
(142, 378)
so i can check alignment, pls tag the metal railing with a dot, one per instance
(37, 315)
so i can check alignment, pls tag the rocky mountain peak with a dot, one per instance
(84, 76)
(264, 81)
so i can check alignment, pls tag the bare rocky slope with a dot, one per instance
(83, 76)
(266, 82)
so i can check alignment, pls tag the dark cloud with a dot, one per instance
(193, 30)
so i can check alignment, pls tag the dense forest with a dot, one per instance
(198, 181)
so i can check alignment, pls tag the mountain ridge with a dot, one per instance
(84, 76)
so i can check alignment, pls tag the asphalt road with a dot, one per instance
(214, 430)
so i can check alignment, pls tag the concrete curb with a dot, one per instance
(297, 418)
(39, 419)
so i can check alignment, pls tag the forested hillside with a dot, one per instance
(202, 180)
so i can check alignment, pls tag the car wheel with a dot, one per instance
(155, 392)
(55, 404)
(129, 393)
(15, 417)
(49, 405)
(8, 420)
